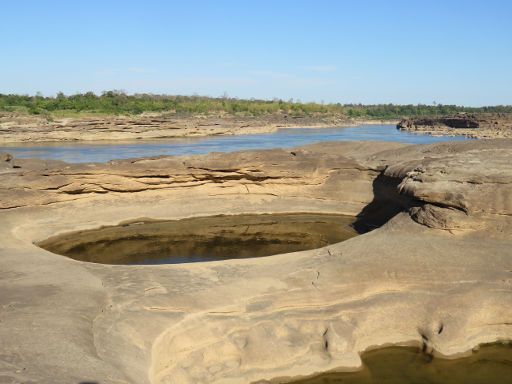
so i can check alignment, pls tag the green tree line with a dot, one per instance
(117, 102)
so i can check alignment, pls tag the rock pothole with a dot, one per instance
(202, 238)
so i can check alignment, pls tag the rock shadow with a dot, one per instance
(387, 202)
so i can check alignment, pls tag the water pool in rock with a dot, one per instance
(202, 238)
(491, 364)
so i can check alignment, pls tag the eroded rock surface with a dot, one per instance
(438, 273)
(15, 128)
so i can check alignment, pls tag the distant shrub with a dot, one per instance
(118, 102)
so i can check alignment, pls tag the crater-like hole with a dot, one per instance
(202, 238)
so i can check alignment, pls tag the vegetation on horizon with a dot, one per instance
(117, 102)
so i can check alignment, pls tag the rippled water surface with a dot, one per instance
(283, 138)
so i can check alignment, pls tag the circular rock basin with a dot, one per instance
(491, 364)
(202, 238)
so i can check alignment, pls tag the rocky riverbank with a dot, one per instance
(436, 272)
(18, 128)
(478, 126)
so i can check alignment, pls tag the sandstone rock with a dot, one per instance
(25, 128)
(440, 261)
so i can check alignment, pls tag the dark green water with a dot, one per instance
(202, 239)
(491, 364)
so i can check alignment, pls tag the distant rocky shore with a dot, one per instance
(20, 128)
(17, 128)
(478, 126)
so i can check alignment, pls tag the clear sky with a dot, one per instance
(450, 52)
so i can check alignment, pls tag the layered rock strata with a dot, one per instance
(438, 273)
(478, 126)
(17, 128)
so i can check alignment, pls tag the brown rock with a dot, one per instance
(5, 157)
(483, 125)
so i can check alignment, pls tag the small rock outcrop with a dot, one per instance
(460, 121)
(5, 157)
(471, 125)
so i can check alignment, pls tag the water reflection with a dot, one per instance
(202, 239)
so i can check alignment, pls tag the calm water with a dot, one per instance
(283, 138)
(202, 238)
(492, 364)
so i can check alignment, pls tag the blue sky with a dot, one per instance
(451, 52)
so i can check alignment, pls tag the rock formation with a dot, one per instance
(15, 128)
(481, 126)
(437, 273)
